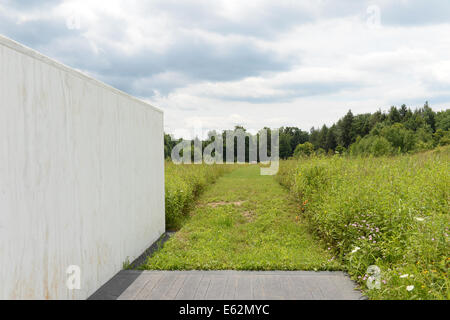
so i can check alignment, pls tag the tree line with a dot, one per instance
(399, 130)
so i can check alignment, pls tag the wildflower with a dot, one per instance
(410, 288)
(419, 219)
(404, 276)
(356, 249)
(384, 281)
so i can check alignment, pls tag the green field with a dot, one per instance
(392, 212)
(245, 221)
(318, 213)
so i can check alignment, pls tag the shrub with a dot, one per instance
(304, 150)
(340, 150)
(320, 152)
(441, 137)
(396, 139)
(372, 145)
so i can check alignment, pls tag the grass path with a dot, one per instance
(244, 221)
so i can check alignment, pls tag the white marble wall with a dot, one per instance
(81, 177)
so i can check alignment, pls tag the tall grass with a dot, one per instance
(392, 212)
(184, 183)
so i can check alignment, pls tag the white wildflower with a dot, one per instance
(356, 249)
(410, 288)
(404, 276)
(419, 219)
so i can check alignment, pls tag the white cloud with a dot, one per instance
(259, 63)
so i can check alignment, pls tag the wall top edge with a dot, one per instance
(14, 45)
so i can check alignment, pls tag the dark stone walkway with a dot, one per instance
(228, 285)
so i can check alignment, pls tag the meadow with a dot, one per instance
(336, 212)
(183, 184)
(389, 212)
(244, 221)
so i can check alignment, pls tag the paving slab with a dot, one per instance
(228, 285)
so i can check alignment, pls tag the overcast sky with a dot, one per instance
(254, 63)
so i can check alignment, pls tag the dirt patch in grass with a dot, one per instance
(249, 215)
(223, 203)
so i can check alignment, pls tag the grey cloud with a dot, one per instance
(195, 59)
(146, 87)
(344, 8)
(163, 85)
(290, 92)
(275, 18)
(436, 101)
(192, 56)
(441, 99)
(36, 33)
(29, 4)
(398, 13)
(199, 60)
(416, 12)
